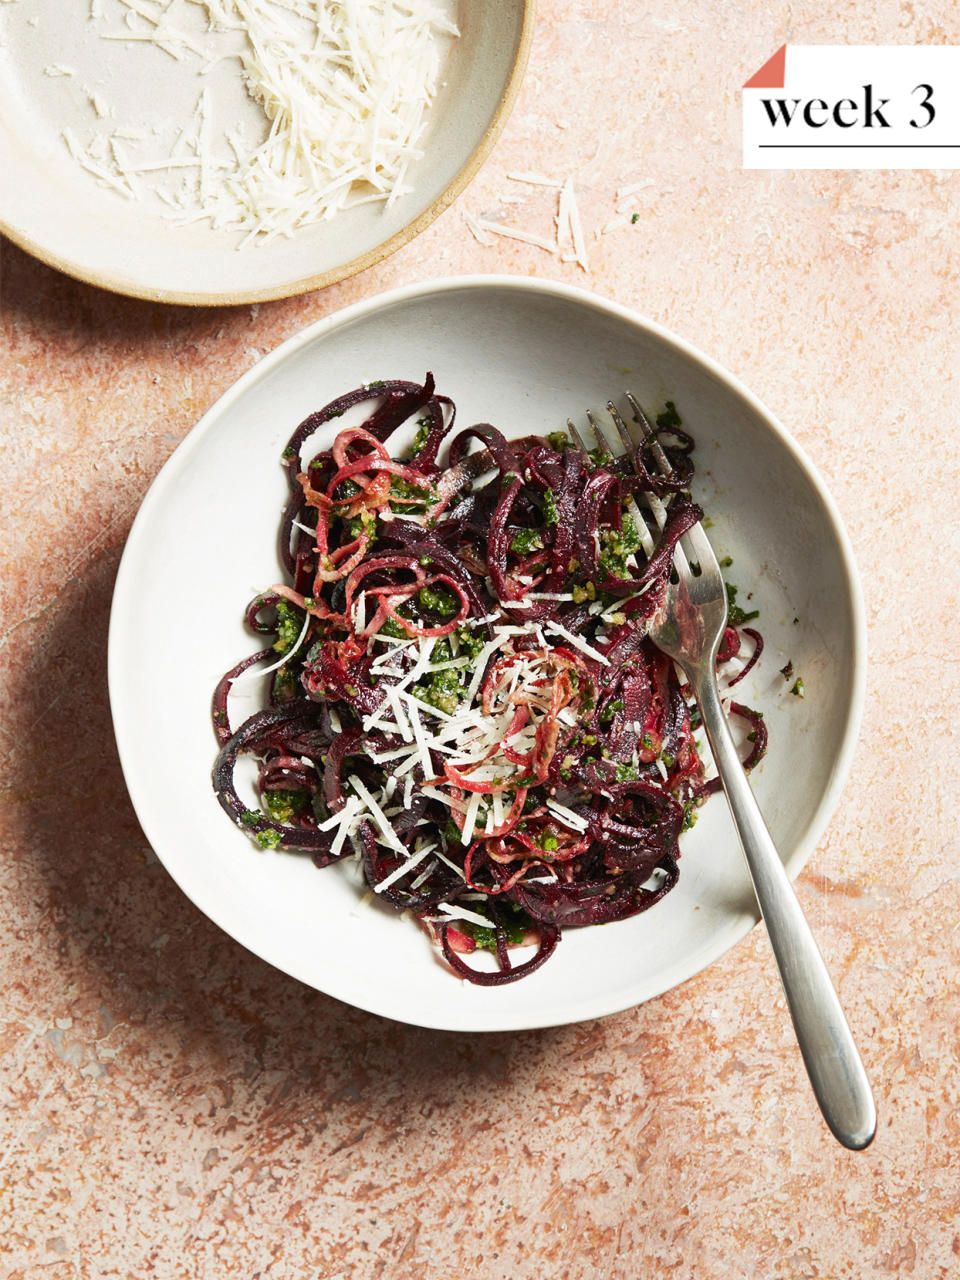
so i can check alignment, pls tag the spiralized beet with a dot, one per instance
(461, 692)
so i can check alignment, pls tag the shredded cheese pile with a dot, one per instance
(344, 86)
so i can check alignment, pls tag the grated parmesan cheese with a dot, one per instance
(567, 816)
(470, 819)
(478, 737)
(344, 89)
(535, 179)
(399, 872)
(569, 225)
(516, 233)
(463, 913)
(578, 642)
(476, 230)
(390, 837)
(275, 666)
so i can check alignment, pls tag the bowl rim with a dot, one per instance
(125, 582)
(115, 282)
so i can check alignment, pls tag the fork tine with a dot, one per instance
(700, 546)
(650, 435)
(622, 431)
(603, 440)
(577, 437)
(657, 506)
(681, 562)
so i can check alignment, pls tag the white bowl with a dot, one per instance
(62, 215)
(524, 355)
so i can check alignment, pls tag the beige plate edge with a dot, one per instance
(117, 284)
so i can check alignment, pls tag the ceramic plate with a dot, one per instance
(61, 70)
(523, 355)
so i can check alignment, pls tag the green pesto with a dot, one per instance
(558, 440)
(735, 615)
(798, 689)
(420, 439)
(470, 642)
(284, 684)
(289, 626)
(285, 805)
(268, 839)
(669, 418)
(365, 522)
(525, 541)
(442, 651)
(438, 600)
(451, 832)
(550, 513)
(528, 780)
(407, 491)
(250, 817)
(442, 692)
(441, 689)
(616, 545)
(690, 815)
(514, 930)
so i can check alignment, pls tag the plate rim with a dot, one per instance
(166, 478)
(114, 280)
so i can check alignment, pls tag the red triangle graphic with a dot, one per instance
(771, 74)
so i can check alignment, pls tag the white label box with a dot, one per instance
(854, 107)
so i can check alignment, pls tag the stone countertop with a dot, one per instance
(170, 1105)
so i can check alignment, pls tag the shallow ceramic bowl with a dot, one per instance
(524, 355)
(61, 214)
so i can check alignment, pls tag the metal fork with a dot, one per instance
(688, 627)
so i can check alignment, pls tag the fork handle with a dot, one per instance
(833, 1064)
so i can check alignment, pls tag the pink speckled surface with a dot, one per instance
(170, 1106)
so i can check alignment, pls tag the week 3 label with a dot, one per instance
(854, 107)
